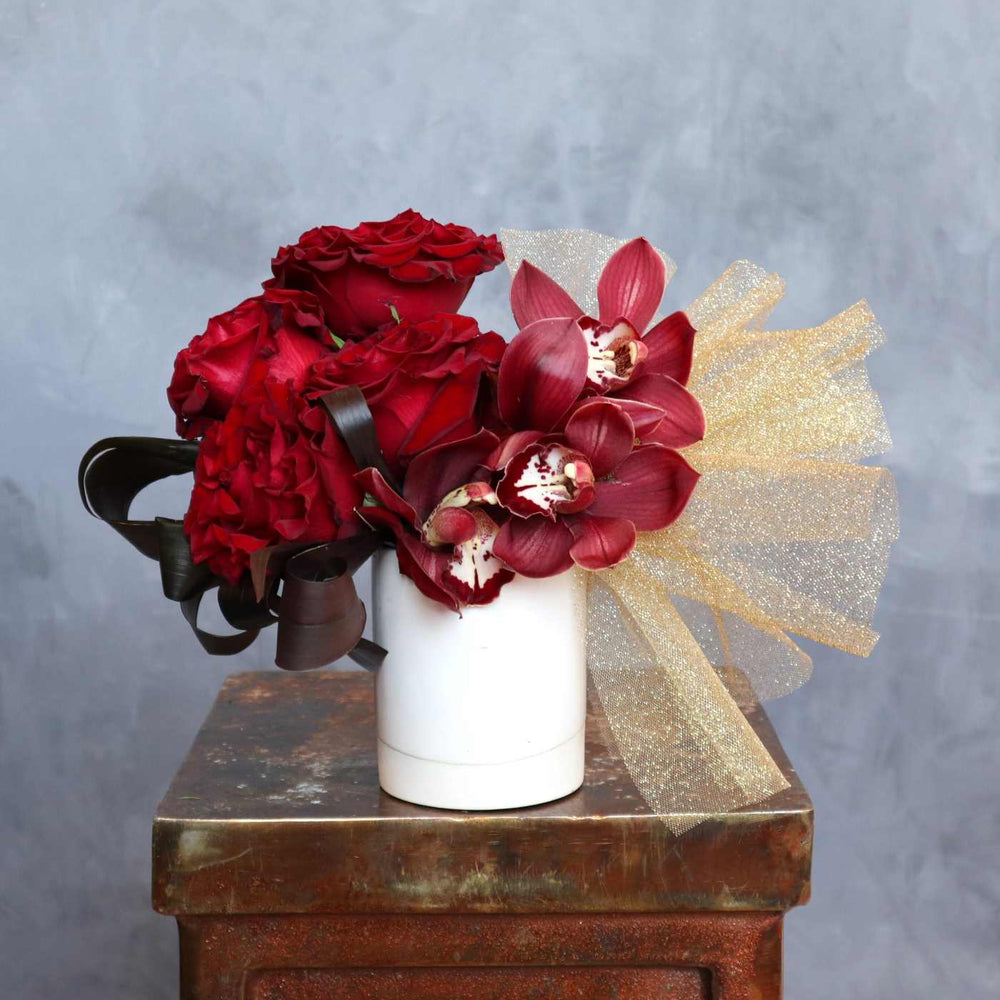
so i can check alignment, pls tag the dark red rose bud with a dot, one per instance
(275, 470)
(426, 383)
(282, 327)
(415, 265)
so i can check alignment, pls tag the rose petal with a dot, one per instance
(671, 347)
(604, 432)
(536, 547)
(683, 422)
(650, 488)
(600, 542)
(631, 284)
(292, 354)
(534, 295)
(395, 418)
(450, 408)
(436, 472)
(542, 373)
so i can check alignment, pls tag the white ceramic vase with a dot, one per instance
(486, 710)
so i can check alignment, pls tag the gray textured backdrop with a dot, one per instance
(157, 153)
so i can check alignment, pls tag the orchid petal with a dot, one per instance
(644, 416)
(671, 347)
(423, 565)
(542, 374)
(668, 434)
(604, 432)
(534, 295)
(650, 488)
(436, 472)
(536, 547)
(373, 482)
(510, 446)
(631, 284)
(683, 422)
(426, 567)
(382, 519)
(600, 542)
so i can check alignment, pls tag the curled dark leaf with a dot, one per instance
(321, 616)
(349, 412)
(113, 472)
(216, 645)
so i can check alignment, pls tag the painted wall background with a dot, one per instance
(157, 153)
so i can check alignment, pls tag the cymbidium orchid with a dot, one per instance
(445, 522)
(474, 512)
(594, 413)
(561, 357)
(581, 495)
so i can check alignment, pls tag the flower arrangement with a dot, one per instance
(697, 466)
(527, 458)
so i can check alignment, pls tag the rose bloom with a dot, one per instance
(281, 327)
(426, 383)
(275, 470)
(419, 266)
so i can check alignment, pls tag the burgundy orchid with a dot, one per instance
(561, 354)
(444, 533)
(580, 496)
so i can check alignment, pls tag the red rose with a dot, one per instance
(275, 470)
(415, 264)
(283, 327)
(424, 382)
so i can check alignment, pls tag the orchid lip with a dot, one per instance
(474, 574)
(547, 479)
(463, 497)
(613, 353)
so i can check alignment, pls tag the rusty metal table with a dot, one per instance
(293, 876)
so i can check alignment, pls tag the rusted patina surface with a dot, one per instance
(277, 810)
(497, 983)
(726, 956)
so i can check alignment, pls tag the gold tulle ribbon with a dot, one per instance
(784, 534)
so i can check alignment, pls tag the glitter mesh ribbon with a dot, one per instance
(784, 533)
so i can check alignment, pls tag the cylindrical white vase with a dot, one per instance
(486, 710)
